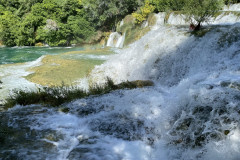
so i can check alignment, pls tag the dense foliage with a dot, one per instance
(66, 22)
(59, 22)
(105, 13)
(166, 5)
(143, 12)
(178, 5)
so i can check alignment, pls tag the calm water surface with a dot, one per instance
(26, 54)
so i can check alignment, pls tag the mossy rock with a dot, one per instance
(128, 23)
(64, 109)
(141, 83)
(152, 19)
(233, 85)
(226, 132)
(135, 34)
(39, 44)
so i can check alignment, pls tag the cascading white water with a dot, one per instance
(120, 41)
(192, 112)
(116, 40)
(12, 78)
(224, 18)
(234, 7)
(195, 105)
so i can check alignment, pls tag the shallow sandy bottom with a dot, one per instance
(66, 68)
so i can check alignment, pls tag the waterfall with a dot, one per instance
(192, 112)
(179, 19)
(116, 40)
(197, 84)
(121, 23)
(120, 41)
(233, 7)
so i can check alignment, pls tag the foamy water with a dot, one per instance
(13, 77)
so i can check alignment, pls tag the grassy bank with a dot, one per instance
(55, 96)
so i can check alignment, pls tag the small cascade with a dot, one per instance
(116, 40)
(222, 19)
(234, 7)
(121, 23)
(145, 24)
(160, 20)
(176, 19)
(120, 41)
(179, 19)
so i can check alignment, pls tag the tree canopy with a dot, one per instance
(66, 22)
(105, 14)
(59, 22)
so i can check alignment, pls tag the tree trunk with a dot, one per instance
(197, 28)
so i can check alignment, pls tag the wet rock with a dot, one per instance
(234, 85)
(196, 125)
(91, 153)
(119, 125)
(226, 132)
(64, 109)
(202, 112)
(225, 84)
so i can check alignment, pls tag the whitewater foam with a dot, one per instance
(194, 103)
(13, 77)
(233, 7)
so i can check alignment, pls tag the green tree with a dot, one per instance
(9, 24)
(25, 6)
(80, 28)
(26, 35)
(105, 14)
(10, 5)
(166, 5)
(201, 10)
(53, 35)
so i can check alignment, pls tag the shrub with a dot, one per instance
(144, 12)
(166, 5)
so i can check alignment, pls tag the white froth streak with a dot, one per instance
(13, 77)
(233, 7)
